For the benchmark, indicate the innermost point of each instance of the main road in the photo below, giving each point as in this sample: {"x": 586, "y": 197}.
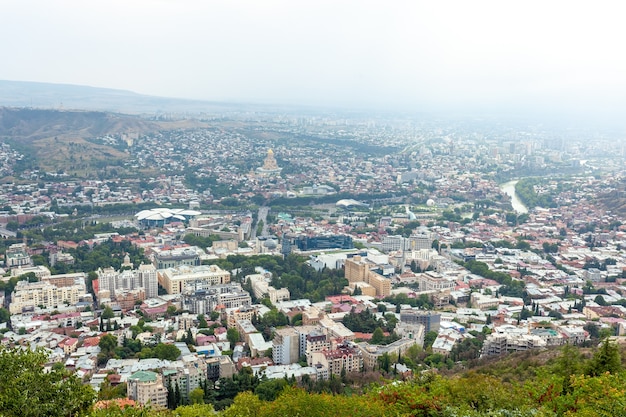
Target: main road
{"x": 261, "y": 216}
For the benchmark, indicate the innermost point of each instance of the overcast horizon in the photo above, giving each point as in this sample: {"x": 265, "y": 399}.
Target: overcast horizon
{"x": 561, "y": 57}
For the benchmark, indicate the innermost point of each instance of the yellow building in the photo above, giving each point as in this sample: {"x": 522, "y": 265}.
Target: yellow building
{"x": 366, "y": 289}
{"x": 357, "y": 270}
{"x": 147, "y": 388}
{"x": 381, "y": 284}
{"x": 175, "y": 280}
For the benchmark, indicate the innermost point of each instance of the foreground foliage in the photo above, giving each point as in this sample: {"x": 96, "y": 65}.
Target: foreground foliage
{"x": 568, "y": 385}
{"x": 431, "y": 395}
{"x": 26, "y": 389}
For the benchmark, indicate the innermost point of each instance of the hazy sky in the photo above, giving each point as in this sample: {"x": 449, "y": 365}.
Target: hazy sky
{"x": 545, "y": 54}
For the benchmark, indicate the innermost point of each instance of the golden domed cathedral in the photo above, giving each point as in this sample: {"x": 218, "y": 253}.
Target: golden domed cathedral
{"x": 270, "y": 167}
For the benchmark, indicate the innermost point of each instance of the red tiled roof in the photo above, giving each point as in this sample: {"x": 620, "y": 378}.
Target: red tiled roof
{"x": 119, "y": 402}
{"x": 91, "y": 341}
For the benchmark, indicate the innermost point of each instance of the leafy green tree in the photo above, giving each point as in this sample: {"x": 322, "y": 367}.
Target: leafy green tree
{"x": 5, "y": 316}
{"x": 113, "y": 410}
{"x": 12, "y": 225}
{"x": 232, "y": 335}
{"x": 377, "y": 336}
{"x": 606, "y": 359}
{"x": 363, "y": 321}
{"x": 166, "y": 351}
{"x": 109, "y": 392}
{"x": 270, "y": 389}
{"x": 592, "y": 328}
{"x": 171, "y": 310}
{"x": 196, "y": 396}
{"x": 202, "y": 322}
{"x": 245, "y": 404}
{"x": 467, "y": 349}
{"x": 384, "y": 362}
{"x": 429, "y": 338}
{"x": 194, "y": 410}
{"x": 107, "y": 313}
{"x": 27, "y": 390}
{"x": 600, "y": 300}
{"x": 107, "y": 343}
{"x": 568, "y": 364}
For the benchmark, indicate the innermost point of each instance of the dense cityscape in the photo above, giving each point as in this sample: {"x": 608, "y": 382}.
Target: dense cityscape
{"x": 312, "y": 209}
{"x": 325, "y": 251}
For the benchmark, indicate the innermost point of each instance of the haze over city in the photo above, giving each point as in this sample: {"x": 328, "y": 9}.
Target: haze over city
{"x": 552, "y": 58}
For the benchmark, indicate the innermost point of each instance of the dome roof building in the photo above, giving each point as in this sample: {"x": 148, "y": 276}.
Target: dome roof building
{"x": 158, "y": 217}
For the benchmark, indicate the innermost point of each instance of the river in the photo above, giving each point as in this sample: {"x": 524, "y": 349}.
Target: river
{"x": 509, "y": 189}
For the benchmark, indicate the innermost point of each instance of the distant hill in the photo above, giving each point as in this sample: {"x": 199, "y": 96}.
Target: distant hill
{"x": 65, "y": 96}
{"x": 614, "y": 200}
{"x": 64, "y": 140}
{"x": 31, "y": 125}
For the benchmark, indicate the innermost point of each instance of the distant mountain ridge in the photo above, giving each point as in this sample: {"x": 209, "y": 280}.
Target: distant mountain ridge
{"x": 67, "y": 96}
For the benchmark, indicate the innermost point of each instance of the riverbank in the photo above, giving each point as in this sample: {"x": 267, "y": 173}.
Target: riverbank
{"x": 508, "y": 188}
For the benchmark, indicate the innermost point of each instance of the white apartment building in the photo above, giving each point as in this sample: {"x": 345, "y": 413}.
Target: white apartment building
{"x": 115, "y": 281}
{"x": 204, "y": 301}
{"x": 17, "y": 256}
{"x": 433, "y": 281}
{"x": 28, "y": 295}
{"x": 40, "y": 271}
{"x": 286, "y": 346}
{"x": 189, "y": 377}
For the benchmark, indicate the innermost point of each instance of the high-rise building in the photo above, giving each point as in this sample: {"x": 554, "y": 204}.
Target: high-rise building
{"x": 145, "y": 277}
{"x": 359, "y": 270}
{"x": 392, "y": 243}
{"x": 381, "y": 284}
{"x": 189, "y": 377}
{"x": 419, "y": 241}
{"x": 29, "y": 295}
{"x": 172, "y": 258}
{"x": 285, "y": 346}
{"x": 316, "y": 341}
